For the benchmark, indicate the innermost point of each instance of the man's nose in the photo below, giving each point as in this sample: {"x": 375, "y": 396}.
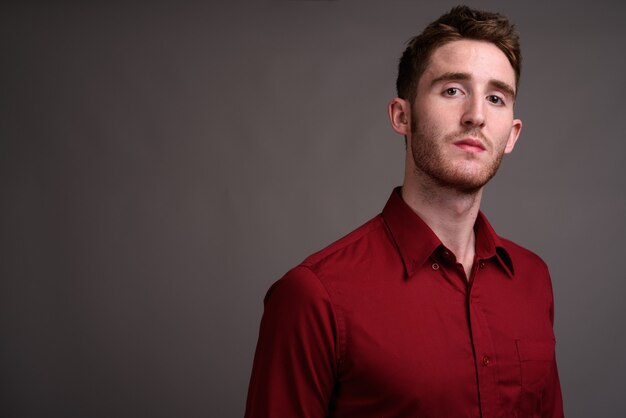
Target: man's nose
{"x": 473, "y": 114}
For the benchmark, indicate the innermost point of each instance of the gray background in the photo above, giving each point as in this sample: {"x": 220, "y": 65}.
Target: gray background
{"x": 161, "y": 164}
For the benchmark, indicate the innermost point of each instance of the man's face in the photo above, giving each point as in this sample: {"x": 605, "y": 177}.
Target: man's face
{"x": 462, "y": 118}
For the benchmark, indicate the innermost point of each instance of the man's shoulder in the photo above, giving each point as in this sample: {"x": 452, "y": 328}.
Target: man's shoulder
{"x": 351, "y": 248}
{"x": 345, "y": 261}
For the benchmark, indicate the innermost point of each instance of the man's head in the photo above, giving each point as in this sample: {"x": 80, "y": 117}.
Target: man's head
{"x": 459, "y": 23}
{"x": 457, "y": 86}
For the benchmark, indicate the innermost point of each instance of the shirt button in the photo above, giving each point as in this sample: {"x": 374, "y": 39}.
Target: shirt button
{"x": 486, "y": 360}
{"x": 435, "y": 266}
{"x": 481, "y": 264}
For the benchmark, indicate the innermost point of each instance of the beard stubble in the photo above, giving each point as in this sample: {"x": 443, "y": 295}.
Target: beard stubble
{"x": 429, "y": 159}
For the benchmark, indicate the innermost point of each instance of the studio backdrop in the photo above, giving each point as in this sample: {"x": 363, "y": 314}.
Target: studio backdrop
{"x": 163, "y": 163}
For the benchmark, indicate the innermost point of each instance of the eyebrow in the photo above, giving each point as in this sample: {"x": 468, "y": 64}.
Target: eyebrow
{"x": 500, "y": 85}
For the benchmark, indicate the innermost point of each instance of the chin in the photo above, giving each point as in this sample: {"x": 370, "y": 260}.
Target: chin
{"x": 464, "y": 182}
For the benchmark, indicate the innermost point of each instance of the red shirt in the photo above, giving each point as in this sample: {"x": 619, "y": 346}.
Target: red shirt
{"x": 384, "y": 323}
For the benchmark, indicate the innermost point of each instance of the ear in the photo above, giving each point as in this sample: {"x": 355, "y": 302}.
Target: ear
{"x": 400, "y": 116}
{"x": 516, "y": 129}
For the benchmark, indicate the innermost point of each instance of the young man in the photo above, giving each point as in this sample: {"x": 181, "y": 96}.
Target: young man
{"x": 423, "y": 311}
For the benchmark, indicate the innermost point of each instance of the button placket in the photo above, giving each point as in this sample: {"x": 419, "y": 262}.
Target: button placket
{"x": 484, "y": 358}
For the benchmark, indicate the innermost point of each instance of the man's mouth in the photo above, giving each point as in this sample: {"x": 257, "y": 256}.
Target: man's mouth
{"x": 470, "y": 145}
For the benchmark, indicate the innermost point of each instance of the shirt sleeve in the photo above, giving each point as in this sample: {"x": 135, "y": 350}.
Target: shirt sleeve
{"x": 294, "y": 366}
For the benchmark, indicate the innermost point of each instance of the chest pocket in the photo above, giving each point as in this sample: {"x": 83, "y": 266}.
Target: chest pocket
{"x": 536, "y": 361}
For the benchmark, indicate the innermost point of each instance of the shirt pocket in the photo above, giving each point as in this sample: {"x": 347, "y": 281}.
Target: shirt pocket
{"x": 536, "y": 361}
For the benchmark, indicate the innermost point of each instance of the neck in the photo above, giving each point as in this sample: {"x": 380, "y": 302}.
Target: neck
{"x": 451, "y": 215}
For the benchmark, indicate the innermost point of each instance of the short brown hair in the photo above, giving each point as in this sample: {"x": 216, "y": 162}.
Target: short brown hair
{"x": 459, "y": 23}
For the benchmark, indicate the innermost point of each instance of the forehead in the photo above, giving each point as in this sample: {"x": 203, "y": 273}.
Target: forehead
{"x": 482, "y": 60}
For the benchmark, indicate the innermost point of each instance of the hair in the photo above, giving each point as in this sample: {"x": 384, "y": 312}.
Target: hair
{"x": 460, "y": 22}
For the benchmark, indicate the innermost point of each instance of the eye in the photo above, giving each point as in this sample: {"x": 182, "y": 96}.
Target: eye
{"x": 495, "y": 99}
{"x": 451, "y": 91}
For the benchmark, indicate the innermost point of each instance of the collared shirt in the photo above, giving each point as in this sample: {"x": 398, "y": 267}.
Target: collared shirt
{"x": 384, "y": 323}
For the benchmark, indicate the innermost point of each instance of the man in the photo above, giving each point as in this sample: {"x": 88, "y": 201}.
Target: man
{"x": 423, "y": 311}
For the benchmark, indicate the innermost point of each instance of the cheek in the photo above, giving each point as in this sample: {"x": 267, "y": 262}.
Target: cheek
{"x": 437, "y": 120}
{"x": 500, "y": 128}
{"x": 505, "y": 132}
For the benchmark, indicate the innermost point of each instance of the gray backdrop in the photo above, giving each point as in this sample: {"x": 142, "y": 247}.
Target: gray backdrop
{"x": 161, "y": 164}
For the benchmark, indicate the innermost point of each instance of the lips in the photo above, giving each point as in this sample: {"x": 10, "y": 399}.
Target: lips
{"x": 470, "y": 144}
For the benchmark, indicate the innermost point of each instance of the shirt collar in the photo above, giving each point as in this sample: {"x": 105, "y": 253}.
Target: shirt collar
{"x": 489, "y": 244}
{"x": 416, "y": 242}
